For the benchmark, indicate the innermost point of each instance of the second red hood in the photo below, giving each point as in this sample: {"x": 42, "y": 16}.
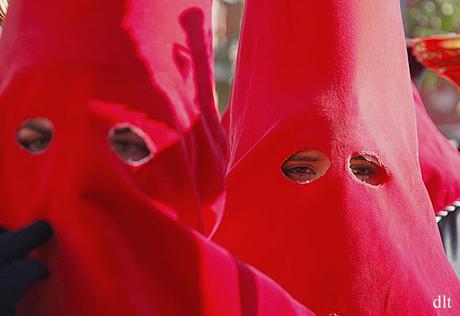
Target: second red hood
{"x": 332, "y": 76}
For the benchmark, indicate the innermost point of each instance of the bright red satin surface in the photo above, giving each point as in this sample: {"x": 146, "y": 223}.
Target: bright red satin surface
{"x": 332, "y": 76}
{"x": 128, "y": 240}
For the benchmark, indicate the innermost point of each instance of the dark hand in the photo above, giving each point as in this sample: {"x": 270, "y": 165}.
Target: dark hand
{"x": 18, "y": 273}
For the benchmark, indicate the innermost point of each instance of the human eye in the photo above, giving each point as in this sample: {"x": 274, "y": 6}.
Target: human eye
{"x": 37, "y": 144}
{"x": 35, "y": 135}
{"x": 305, "y": 166}
{"x": 368, "y": 169}
{"x": 130, "y": 145}
{"x": 131, "y": 151}
{"x": 300, "y": 174}
{"x": 363, "y": 171}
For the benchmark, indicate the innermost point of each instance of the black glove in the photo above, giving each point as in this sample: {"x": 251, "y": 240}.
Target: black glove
{"x": 18, "y": 273}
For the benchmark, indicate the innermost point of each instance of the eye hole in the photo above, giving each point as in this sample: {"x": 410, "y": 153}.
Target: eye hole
{"x": 131, "y": 144}
{"x": 35, "y": 135}
{"x": 306, "y": 166}
{"x": 368, "y": 169}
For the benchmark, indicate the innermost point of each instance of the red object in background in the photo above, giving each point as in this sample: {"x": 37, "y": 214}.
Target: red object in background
{"x": 124, "y": 240}
{"x": 440, "y": 53}
{"x": 439, "y": 160}
{"x": 332, "y": 76}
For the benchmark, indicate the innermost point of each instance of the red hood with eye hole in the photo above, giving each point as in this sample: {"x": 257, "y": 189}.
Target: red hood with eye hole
{"x": 128, "y": 240}
{"x": 439, "y": 160}
{"x": 332, "y": 76}
{"x": 123, "y": 66}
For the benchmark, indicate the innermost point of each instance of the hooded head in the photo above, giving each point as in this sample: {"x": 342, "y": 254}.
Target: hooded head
{"x": 141, "y": 67}
{"x": 107, "y": 117}
{"x": 325, "y": 192}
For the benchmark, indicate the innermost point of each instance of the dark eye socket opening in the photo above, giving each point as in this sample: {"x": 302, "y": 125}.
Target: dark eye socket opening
{"x": 131, "y": 144}
{"x": 305, "y": 166}
{"x": 368, "y": 169}
{"x": 35, "y": 135}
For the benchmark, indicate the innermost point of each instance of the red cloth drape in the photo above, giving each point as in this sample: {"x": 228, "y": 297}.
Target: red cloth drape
{"x": 439, "y": 160}
{"x": 332, "y": 76}
{"x": 130, "y": 240}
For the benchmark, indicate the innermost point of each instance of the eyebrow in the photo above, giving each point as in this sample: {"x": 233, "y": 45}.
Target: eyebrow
{"x": 360, "y": 158}
{"x": 304, "y": 158}
{"x": 37, "y": 128}
{"x": 123, "y": 131}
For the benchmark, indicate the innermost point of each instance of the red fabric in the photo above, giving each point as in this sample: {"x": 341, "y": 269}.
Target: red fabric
{"x": 124, "y": 241}
{"x": 439, "y": 160}
{"x": 131, "y": 61}
{"x": 332, "y": 76}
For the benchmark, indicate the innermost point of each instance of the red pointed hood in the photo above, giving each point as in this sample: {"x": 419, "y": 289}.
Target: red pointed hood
{"x": 143, "y": 63}
{"x": 332, "y": 76}
{"x": 88, "y": 66}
